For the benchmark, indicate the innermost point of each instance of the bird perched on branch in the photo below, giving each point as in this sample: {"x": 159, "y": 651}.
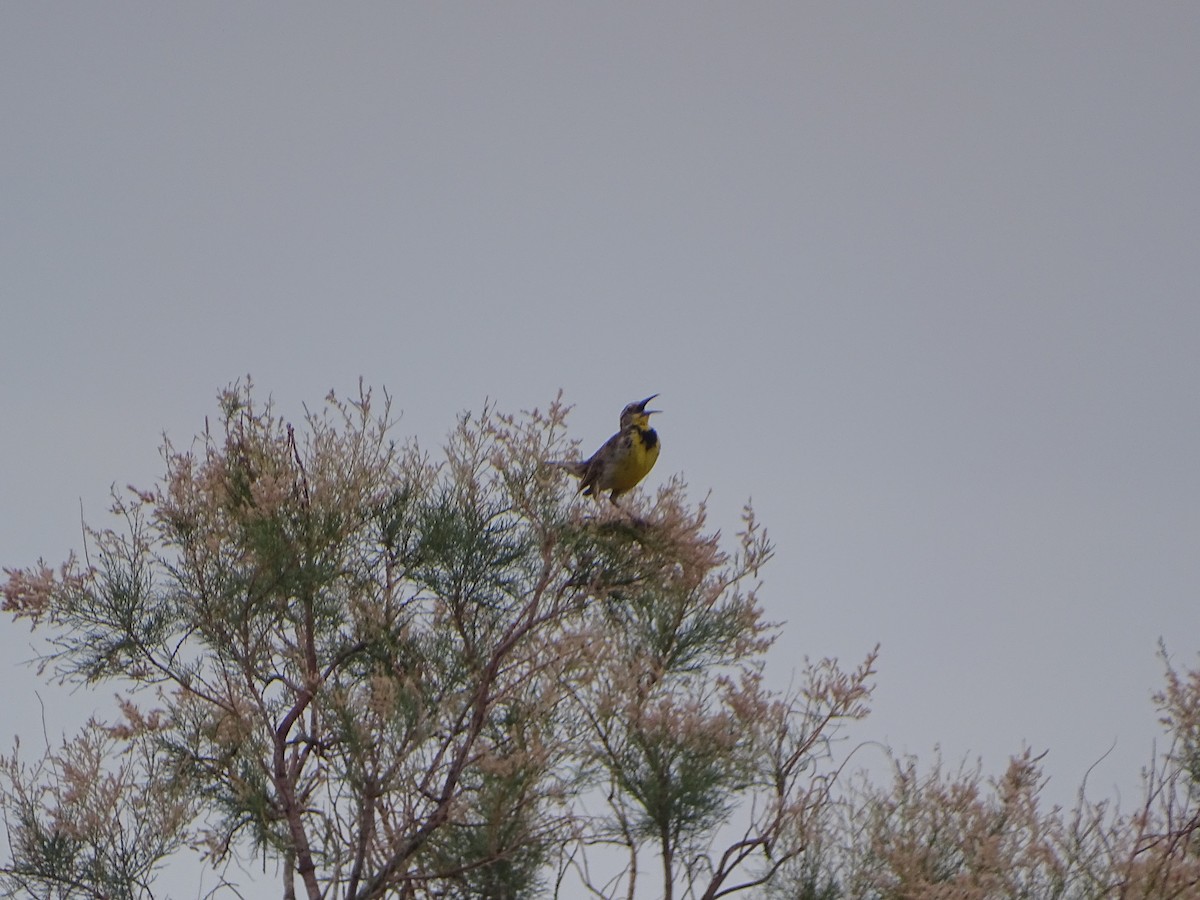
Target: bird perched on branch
{"x": 625, "y": 458}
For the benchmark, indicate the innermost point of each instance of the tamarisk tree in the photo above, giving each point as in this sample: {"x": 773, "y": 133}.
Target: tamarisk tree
{"x": 389, "y": 674}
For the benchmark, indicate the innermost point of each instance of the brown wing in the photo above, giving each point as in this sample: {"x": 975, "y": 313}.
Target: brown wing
{"x": 600, "y": 460}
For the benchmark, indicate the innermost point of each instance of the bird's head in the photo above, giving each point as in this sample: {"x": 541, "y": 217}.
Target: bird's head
{"x": 637, "y": 414}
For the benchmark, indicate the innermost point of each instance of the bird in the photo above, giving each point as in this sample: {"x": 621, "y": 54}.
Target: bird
{"x": 623, "y": 460}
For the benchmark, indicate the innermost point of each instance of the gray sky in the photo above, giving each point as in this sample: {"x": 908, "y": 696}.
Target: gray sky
{"x": 920, "y": 279}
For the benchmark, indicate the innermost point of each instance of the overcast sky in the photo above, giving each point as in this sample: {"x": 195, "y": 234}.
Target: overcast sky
{"x": 920, "y": 279}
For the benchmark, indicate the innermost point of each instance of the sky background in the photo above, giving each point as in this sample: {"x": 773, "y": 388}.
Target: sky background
{"x": 920, "y": 279}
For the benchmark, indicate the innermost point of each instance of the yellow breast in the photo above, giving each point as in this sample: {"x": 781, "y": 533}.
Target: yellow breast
{"x": 633, "y": 466}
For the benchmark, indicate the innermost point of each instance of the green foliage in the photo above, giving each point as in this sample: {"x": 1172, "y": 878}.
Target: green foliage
{"x": 390, "y": 676}
{"x": 93, "y": 818}
{"x": 401, "y": 677}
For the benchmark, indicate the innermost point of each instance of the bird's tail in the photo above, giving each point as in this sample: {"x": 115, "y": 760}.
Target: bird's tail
{"x": 577, "y": 468}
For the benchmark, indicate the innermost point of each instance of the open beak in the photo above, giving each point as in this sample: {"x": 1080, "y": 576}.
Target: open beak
{"x": 642, "y": 405}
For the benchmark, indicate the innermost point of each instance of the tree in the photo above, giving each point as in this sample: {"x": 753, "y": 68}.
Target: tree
{"x": 394, "y": 676}
{"x": 952, "y": 834}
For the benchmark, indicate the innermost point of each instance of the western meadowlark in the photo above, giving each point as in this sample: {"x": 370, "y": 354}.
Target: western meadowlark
{"x": 624, "y": 459}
